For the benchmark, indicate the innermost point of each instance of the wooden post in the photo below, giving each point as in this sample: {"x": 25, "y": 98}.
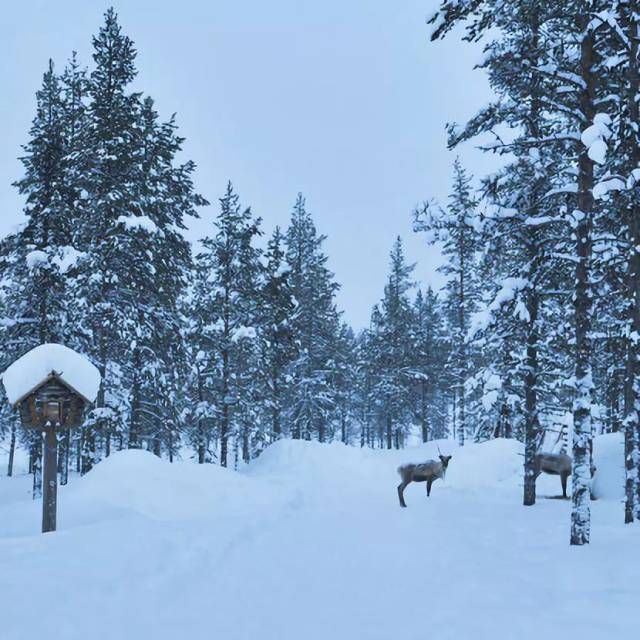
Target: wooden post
{"x": 50, "y": 479}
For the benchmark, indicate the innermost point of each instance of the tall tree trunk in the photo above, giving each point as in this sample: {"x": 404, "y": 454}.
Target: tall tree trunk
{"x": 531, "y": 420}
{"x": 12, "y": 448}
{"x": 134, "y": 421}
{"x": 63, "y": 457}
{"x": 202, "y": 443}
{"x": 88, "y": 451}
{"x": 224, "y": 427}
{"x": 629, "y": 20}
{"x": 424, "y": 418}
{"x": 462, "y": 355}
{"x": 276, "y": 412}
{"x": 246, "y": 454}
{"x": 582, "y": 436}
{"x": 36, "y": 464}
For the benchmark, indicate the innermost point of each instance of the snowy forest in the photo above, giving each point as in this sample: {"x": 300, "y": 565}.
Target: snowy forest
{"x": 223, "y": 348}
{"x": 238, "y": 468}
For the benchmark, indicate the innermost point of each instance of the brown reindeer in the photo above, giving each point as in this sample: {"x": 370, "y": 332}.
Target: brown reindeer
{"x": 556, "y": 464}
{"x": 425, "y": 472}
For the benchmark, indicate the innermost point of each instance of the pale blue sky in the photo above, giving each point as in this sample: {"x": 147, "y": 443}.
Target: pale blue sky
{"x": 345, "y": 100}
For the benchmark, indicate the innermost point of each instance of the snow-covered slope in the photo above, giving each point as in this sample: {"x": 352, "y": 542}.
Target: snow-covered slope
{"x": 309, "y": 541}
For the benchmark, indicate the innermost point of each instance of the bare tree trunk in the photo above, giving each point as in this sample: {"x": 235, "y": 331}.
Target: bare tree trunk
{"x": 462, "y": 361}
{"x": 63, "y": 457}
{"x": 12, "y": 448}
{"x": 134, "y": 421}
{"x": 224, "y": 428}
{"x": 629, "y": 20}
{"x": 36, "y": 464}
{"x": 532, "y": 424}
{"x": 246, "y": 457}
{"x": 582, "y": 436}
{"x": 276, "y": 417}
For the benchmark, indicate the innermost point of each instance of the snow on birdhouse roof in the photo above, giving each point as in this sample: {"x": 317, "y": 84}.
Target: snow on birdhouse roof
{"x": 34, "y": 368}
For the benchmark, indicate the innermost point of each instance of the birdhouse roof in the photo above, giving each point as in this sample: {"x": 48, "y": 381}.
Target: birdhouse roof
{"x": 36, "y": 367}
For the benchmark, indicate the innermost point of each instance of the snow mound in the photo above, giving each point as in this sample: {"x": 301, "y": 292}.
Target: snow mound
{"x": 36, "y": 365}
{"x": 352, "y": 469}
{"x": 138, "y": 481}
{"x": 608, "y": 456}
{"x": 488, "y": 464}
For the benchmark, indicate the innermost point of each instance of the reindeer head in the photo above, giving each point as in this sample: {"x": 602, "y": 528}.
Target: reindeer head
{"x": 445, "y": 460}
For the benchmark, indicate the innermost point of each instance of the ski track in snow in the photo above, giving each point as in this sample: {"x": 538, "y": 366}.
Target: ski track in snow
{"x": 309, "y": 541}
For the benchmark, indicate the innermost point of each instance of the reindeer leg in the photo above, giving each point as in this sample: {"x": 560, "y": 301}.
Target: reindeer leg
{"x": 401, "y": 488}
{"x": 563, "y": 479}
{"x": 429, "y": 483}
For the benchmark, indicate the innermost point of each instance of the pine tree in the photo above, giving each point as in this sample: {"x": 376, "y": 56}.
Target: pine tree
{"x": 429, "y": 349}
{"x": 277, "y": 346}
{"x": 39, "y": 258}
{"x": 111, "y": 195}
{"x": 344, "y": 382}
{"x": 231, "y": 267}
{"x": 457, "y": 229}
{"x": 314, "y": 327}
{"x": 519, "y": 231}
{"x": 391, "y": 325}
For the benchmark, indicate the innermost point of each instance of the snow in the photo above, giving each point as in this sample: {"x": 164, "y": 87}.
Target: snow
{"x": 491, "y": 391}
{"x": 509, "y": 288}
{"x": 37, "y": 259}
{"x": 34, "y": 366}
{"x": 608, "y": 185}
{"x": 145, "y": 223}
{"x": 309, "y": 541}
{"x": 595, "y": 136}
{"x": 241, "y": 333}
{"x": 68, "y": 258}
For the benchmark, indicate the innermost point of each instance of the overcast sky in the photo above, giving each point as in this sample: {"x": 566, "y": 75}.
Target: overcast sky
{"x": 344, "y": 100}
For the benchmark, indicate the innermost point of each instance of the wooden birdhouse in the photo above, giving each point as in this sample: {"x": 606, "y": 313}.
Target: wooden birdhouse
{"x": 51, "y": 385}
{"x": 53, "y": 401}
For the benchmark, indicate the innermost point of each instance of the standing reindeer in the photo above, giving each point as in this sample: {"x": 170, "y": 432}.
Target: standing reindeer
{"x": 426, "y": 472}
{"x": 556, "y": 464}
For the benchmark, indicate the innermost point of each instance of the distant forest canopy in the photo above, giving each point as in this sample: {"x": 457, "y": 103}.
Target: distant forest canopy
{"x": 221, "y": 350}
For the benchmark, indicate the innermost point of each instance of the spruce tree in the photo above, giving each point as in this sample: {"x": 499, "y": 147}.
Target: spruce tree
{"x": 457, "y": 227}
{"x": 231, "y": 266}
{"x": 314, "y": 326}
{"x": 391, "y": 325}
{"x": 277, "y": 345}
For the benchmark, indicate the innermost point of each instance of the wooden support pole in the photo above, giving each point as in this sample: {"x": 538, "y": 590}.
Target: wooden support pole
{"x": 50, "y": 479}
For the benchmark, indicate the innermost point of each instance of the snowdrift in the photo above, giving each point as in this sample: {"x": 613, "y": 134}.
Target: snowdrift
{"x": 288, "y": 473}
{"x": 608, "y": 456}
{"x": 292, "y": 471}
{"x": 144, "y": 547}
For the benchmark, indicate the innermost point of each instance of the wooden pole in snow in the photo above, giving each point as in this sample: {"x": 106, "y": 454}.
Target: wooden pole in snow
{"x": 50, "y": 479}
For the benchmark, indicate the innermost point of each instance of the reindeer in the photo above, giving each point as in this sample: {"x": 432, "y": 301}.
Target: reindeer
{"x": 425, "y": 472}
{"x": 556, "y": 464}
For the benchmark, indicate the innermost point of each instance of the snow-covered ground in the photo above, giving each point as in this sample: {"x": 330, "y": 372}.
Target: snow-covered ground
{"x": 309, "y": 542}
